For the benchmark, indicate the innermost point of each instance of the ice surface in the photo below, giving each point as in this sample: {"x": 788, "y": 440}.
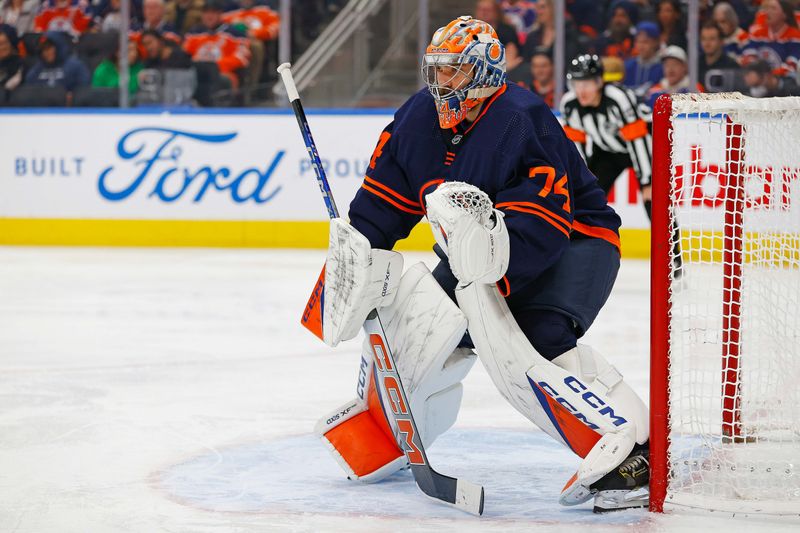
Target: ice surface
{"x": 174, "y": 390}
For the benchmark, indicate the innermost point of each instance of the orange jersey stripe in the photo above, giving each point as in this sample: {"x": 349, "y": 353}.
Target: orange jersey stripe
{"x": 538, "y": 208}
{"x": 598, "y": 232}
{"x": 425, "y": 185}
{"x": 552, "y": 222}
{"x": 397, "y": 195}
{"x": 388, "y": 199}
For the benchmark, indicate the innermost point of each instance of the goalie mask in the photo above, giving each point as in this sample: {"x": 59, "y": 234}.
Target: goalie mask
{"x": 464, "y": 64}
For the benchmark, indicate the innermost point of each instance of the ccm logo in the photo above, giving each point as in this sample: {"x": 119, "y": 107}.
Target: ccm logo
{"x": 396, "y": 399}
{"x": 315, "y": 297}
{"x": 588, "y": 397}
{"x": 362, "y": 377}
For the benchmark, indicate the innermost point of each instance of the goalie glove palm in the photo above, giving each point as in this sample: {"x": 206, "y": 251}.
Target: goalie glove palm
{"x": 470, "y": 231}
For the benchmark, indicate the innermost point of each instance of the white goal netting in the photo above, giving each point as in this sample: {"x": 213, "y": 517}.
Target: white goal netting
{"x": 734, "y": 293}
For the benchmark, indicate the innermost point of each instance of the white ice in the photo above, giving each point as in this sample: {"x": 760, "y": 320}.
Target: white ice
{"x": 174, "y": 390}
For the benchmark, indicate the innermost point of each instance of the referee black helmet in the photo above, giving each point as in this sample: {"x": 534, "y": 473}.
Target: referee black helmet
{"x": 585, "y": 67}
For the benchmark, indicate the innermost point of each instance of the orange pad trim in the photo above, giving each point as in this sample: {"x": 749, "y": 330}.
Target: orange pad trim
{"x": 363, "y": 445}
{"x": 578, "y": 436}
{"x": 312, "y": 314}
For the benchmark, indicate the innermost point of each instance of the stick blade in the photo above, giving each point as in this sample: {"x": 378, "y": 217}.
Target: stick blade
{"x": 459, "y": 493}
{"x": 469, "y": 497}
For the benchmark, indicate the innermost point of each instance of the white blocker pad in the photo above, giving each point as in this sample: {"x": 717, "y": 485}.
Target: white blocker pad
{"x": 358, "y": 279}
{"x": 578, "y": 398}
{"x": 423, "y": 327}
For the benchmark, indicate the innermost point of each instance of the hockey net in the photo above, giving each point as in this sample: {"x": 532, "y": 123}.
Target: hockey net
{"x": 725, "y": 361}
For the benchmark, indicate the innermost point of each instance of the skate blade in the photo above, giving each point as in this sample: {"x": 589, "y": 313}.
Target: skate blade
{"x": 609, "y": 501}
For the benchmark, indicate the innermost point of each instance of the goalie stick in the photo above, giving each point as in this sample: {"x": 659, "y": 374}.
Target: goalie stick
{"x": 462, "y": 494}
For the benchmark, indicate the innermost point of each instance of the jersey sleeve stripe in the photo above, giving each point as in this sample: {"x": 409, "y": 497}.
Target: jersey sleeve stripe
{"x": 634, "y": 130}
{"x": 598, "y": 232}
{"x": 388, "y": 199}
{"x": 537, "y": 207}
{"x": 397, "y": 195}
{"x": 504, "y": 287}
{"x": 541, "y": 215}
{"x": 574, "y": 134}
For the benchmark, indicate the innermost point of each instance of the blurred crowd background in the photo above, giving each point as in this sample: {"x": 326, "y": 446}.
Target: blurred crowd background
{"x": 224, "y": 52}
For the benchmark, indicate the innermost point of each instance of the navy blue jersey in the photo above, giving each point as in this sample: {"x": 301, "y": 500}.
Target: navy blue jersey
{"x": 515, "y": 151}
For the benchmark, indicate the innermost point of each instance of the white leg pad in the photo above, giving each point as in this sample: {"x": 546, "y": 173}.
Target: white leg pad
{"x": 596, "y": 391}
{"x": 504, "y": 351}
{"x": 579, "y": 399}
{"x": 423, "y": 327}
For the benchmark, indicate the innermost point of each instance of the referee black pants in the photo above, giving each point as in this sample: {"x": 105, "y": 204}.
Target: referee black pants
{"x": 607, "y": 166}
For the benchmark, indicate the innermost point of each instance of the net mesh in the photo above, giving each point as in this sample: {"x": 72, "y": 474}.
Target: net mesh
{"x": 734, "y": 361}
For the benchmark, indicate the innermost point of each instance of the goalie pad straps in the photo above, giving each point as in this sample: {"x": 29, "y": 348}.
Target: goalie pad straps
{"x": 472, "y": 234}
{"x": 357, "y": 279}
{"x": 423, "y": 327}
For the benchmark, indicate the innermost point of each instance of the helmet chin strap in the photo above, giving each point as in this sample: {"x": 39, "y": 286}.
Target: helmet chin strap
{"x": 482, "y": 92}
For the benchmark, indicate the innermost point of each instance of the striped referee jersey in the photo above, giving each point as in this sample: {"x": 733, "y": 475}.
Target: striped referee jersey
{"x": 618, "y": 125}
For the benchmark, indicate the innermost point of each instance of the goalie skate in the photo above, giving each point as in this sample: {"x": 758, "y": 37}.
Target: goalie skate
{"x": 625, "y": 487}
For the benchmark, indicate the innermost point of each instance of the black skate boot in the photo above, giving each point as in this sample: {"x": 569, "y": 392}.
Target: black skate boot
{"x": 627, "y": 486}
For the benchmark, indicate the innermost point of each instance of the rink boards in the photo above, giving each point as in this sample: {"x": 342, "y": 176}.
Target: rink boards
{"x": 237, "y": 178}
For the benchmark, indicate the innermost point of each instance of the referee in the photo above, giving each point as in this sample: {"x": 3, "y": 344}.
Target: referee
{"x": 611, "y": 132}
{"x": 607, "y": 125}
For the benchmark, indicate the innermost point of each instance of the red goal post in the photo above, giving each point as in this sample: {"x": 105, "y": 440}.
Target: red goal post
{"x": 725, "y": 287}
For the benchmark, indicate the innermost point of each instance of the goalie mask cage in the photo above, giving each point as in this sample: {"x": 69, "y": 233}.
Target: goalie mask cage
{"x": 725, "y": 291}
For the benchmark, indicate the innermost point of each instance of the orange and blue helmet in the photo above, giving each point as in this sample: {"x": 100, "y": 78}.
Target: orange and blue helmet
{"x": 464, "y": 64}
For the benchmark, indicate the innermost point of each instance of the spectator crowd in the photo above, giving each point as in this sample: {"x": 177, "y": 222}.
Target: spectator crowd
{"x": 213, "y": 52}
{"x": 210, "y": 52}
{"x": 752, "y": 46}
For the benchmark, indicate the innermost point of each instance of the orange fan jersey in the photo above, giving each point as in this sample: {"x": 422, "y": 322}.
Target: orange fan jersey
{"x": 261, "y": 22}
{"x": 228, "y": 52}
{"x": 70, "y": 19}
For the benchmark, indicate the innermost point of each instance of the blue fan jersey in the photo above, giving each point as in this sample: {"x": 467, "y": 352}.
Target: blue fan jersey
{"x": 515, "y": 151}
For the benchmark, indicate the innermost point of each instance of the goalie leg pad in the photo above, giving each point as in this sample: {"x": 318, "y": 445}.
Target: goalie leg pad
{"x": 578, "y": 398}
{"x": 591, "y": 388}
{"x": 504, "y": 351}
{"x": 360, "y": 441}
{"x": 423, "y": 327}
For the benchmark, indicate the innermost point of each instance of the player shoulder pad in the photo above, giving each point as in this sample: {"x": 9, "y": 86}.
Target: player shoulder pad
{"x": 417, "y": 102}
{"x": 415, "y": 113}
{"x": 519, "y": 98}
